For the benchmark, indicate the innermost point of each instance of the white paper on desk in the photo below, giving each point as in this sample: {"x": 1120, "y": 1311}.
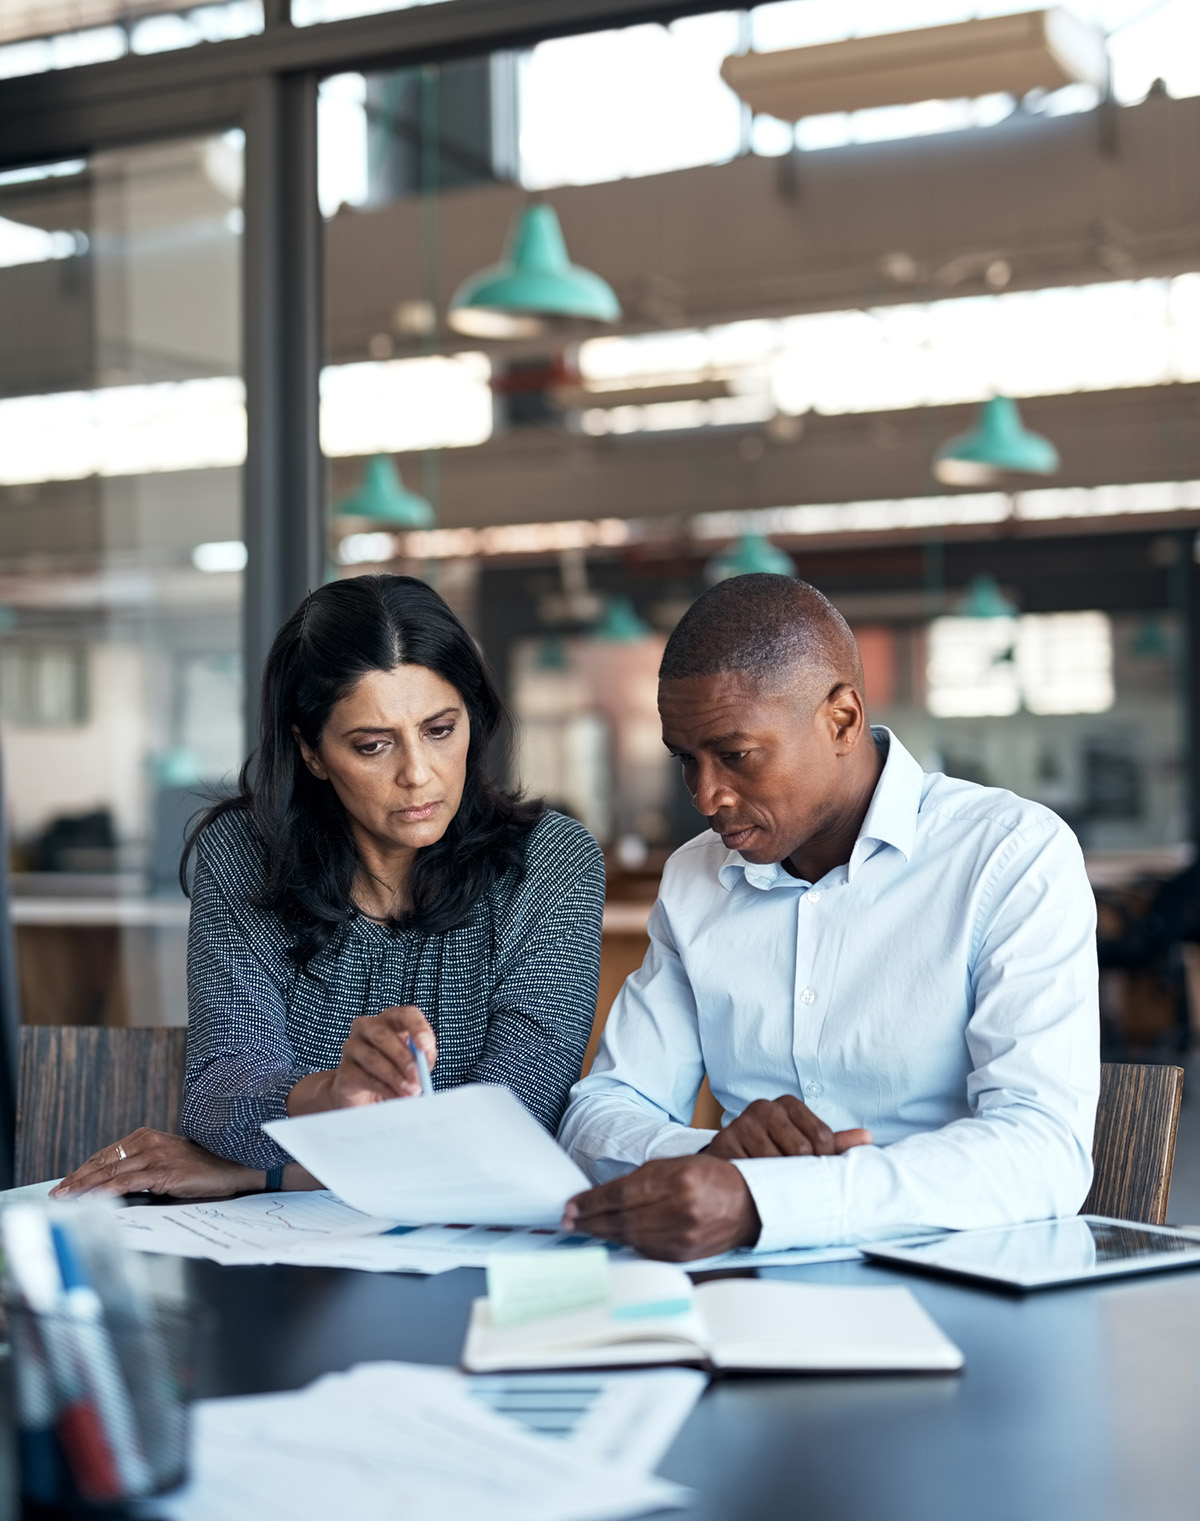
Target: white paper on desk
{"x": 261, "y": 1228}
{"x": 392, "y": 1439}
{"x": 369, "y": 1254}
{"x": 627, "y": 1419}
{"x": 471, "y": 1154}
{"x": 792, "y": 1256}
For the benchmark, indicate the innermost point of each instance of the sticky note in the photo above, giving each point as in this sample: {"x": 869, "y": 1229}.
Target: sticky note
{"x": 524, "y": 1286}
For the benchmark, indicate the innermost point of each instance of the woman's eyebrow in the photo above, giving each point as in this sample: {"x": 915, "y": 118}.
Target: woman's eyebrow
{"x": 387, "y": 728}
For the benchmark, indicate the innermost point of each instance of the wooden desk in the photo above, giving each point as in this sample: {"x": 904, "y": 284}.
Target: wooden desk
{"x": 1075, "y": 1405}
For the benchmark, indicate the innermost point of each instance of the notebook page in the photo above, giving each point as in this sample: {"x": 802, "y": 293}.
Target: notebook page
{"x": 820, "y": 1327}
{"x": 649, "y": 1317}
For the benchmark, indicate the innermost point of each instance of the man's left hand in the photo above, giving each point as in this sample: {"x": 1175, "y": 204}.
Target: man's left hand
{"x": 677, "y": 1209}
{"x": 782, "y": 1127}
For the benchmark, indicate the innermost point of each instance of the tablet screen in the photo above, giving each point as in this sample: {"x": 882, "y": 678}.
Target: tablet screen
{"x": 1048, "y": 1251}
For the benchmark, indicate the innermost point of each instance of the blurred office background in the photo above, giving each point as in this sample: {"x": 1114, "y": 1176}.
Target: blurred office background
{"x": 821, "y": 242}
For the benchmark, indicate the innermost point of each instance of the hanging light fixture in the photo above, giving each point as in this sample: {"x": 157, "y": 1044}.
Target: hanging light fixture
{"x": 998, "y": 445}
{"x": 533, "y": 288}
{"x": 620, "y": 623}
{"x": 384, "y": 498}
{"x": 750, "y": 555}
{"x": 984, "y": 599}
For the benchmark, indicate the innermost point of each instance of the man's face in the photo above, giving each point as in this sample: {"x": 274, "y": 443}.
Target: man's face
{"x": 761, "y": 766}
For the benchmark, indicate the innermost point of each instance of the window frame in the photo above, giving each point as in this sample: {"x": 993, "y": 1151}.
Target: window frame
{"x": 267, "y": 84}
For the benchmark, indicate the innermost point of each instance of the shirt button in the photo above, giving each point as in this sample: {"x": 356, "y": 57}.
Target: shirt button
{"x": 813, "y": 1090}
{"x": 808, "y": 996}
{"x": 812, "y": 897}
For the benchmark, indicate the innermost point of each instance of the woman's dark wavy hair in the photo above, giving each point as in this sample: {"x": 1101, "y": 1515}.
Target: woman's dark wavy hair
{"x": 339, "y": 633}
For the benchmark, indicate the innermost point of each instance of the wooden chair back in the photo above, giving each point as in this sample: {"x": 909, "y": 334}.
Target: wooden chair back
{"x": 1134, "y": 1147}
{"x": 81, "y": 1088}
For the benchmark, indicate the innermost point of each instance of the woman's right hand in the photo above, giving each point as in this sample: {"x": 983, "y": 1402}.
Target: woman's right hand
{"x": 377, "y": 1063}
{"x": 153, "y": 1162}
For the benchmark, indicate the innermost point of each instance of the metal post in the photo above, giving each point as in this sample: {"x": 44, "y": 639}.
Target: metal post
{"x": 284, "y": 481}
{"x": 10, "y": 1014}
{"x": 1188, "y": 677}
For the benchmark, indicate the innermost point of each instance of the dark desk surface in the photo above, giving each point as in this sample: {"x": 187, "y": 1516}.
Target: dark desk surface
{"x": 1074, "y": 1404}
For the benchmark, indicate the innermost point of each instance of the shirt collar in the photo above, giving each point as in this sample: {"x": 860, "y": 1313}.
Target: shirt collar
{"x": 892, "y": 815}
{"x": 891, "y": 820}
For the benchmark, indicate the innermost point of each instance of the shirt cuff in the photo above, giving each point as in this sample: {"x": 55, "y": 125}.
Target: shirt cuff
{"x": 678, "y": 1141}
{"x": 798, "y": 1201}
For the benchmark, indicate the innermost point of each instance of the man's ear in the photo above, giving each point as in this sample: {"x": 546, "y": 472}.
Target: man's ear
{"x": 847, "y": 716}
{"x": 310, "y": 757}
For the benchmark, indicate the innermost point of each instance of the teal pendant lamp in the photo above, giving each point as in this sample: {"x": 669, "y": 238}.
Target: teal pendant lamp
{"x": 534, "y": 288}
{"x": 620, "y": 623}
{"x": 984, "y": 599}
{"x": 752, "y": 554}
{"x": 998, "y": 445}
{"x": 384, "y": 498}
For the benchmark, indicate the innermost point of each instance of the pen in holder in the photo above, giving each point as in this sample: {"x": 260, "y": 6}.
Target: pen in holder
{"x": 103, "y": 1371}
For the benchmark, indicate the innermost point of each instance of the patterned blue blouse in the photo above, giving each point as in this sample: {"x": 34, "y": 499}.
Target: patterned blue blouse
{"x": 510, "y": 993}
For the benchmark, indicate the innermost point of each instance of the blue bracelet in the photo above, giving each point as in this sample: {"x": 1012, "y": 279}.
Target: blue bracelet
{"x": 274, "y": 1179}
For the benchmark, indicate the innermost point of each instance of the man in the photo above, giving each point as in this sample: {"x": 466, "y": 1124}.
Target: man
{"x": 889, "y": 977}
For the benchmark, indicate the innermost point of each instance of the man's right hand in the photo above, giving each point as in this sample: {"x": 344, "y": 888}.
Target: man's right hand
{"x": 782, "y": 1127}
{"x": 377, "y": 1063}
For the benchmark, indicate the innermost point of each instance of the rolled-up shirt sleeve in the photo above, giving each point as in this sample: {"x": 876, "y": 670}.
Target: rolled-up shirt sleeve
{"x": 240, "y": 1064}
{"x": 636, "y": 1103}
{"x": 1024, "y": 1151}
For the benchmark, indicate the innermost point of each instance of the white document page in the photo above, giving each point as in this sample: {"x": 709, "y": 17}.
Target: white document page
{"x": 628, "y": 1419}
{"x": 432, "y": 1248}
{"x": 792, "y": 1256}
{"x": 391, "y": 1439}
{"x": 472, "y": 1154}
{"x": 260, "y": 1228}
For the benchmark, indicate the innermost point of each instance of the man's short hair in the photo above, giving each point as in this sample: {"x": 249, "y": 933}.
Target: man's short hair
{"x": 763, "y": 625}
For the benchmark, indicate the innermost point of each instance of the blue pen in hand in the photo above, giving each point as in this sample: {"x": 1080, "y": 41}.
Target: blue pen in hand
{"x": 422, "y": 1062}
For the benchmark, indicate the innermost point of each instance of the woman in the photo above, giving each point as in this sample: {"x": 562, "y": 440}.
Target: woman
{"x": 370, "y": 887}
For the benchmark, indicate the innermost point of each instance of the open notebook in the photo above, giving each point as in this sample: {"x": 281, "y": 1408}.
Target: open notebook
{"x": 654, "y": 1315}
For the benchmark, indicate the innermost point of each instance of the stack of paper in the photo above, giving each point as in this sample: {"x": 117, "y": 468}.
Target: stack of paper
{"x": 318, "y": 1230}
{"x": 261, "y": 1228}
{"x": 392, "y": 1438}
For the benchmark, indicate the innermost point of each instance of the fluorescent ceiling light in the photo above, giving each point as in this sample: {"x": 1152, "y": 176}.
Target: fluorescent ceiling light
{"x": 221, "y": 555}
{"x": 948, "y": 511}
{"x": 464, "y": 543}
{"x": 398, "y": 405}
{"x": 1022, "y": 343}
{"x": 123, "y": 430}
{"x": 1043, "y": 49}
{"x": 366, "y": 409}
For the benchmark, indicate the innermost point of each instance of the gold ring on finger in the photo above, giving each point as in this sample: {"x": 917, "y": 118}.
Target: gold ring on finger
{"x": 121, "y": 1152}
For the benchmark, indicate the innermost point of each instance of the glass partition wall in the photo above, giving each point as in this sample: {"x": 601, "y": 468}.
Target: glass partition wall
{"x": 122, "y": 436}
{"x": 779, "y": 368}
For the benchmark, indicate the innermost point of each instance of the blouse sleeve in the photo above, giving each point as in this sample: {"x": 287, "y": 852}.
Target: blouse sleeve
{"x": 240, "y": 1063}
{"x": 544, "y": 999}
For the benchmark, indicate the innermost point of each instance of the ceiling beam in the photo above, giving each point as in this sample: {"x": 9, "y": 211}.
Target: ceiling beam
{"x": 1104, "y": 437}
{"x": 871, "y": 224}
{"x": 66, "y": 112}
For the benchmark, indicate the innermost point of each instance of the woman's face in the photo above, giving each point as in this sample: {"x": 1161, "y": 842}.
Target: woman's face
{"x": 395, "y": 752}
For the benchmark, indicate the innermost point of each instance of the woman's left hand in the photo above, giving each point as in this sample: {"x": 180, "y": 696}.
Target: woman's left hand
{"x": 150, "y": 1161}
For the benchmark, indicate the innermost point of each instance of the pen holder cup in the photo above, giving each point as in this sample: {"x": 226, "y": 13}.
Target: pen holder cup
{"x": 103, "y": 1407}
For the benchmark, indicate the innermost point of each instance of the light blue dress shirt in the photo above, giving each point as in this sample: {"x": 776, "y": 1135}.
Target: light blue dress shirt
{"x": 939, "y": 989}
